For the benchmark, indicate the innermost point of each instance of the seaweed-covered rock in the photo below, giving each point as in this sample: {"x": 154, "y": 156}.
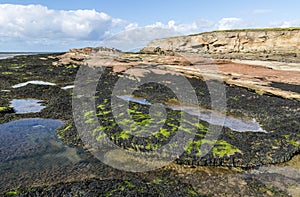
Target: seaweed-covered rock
{"x": 95, "y": 187}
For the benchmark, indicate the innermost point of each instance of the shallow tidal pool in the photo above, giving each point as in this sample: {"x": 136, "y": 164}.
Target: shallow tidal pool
{"x": 29, "y": 150}
{"x": 24, "y": 106}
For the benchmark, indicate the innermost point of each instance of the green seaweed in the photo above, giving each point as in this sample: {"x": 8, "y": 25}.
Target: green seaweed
{"x": 90, "y": 121}
{"x": 2, "y": 109}
{"x": 164, "y": 132}
{"x": 101, "y": 107}
{"x": 5, "y": 109}
{"x": 129, "y": 184}
{"x": 111, "y": 193}
{"x": 144, "y": 122}
{"x": 223, "y": 148}
{"x": 189, "y": 147}
{"x": 191, "y": 192}
{"x": 72, "y": 66}
{"x": 7, "y": 73}
{"x": 67, "y": 128}
{"x": 12, "y": 192}
{"x": 124, "y": 122}
{"x": 293, "y": 142}
{"x": 234, "y": 98}
{"x": 101, "y": 136}
{"x": 89, "y": 113}
{"x": 124, "y": 135}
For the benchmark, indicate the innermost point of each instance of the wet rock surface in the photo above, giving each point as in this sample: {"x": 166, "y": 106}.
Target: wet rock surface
{"x": 279, "y": 116}
{"x": 246, "y": 149}
{"x": 94, "y": 187}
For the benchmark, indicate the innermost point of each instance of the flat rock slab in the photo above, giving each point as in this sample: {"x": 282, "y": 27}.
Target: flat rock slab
{"x": 255, "y": 75}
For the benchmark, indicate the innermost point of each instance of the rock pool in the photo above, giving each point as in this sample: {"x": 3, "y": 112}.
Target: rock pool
{"x": 240, "y": 124}
{"x": 30, "y": 148}
{"x": 24, "y": 106}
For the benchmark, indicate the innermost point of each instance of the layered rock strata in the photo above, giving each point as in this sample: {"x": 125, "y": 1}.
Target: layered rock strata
{"x": 256, "y": 44}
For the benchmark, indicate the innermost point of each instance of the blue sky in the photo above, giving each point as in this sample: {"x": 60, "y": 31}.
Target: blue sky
{"x": 57, "y": 25}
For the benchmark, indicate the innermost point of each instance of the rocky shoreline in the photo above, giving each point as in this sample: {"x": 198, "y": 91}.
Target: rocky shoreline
{"x": 58, "y": 104}
{"x": 240, "y": 162}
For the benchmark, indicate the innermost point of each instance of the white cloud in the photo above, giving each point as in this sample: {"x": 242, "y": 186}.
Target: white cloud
{"x": 283, "y": 24}
{"x": 36, "y": 23}
{"x": 230, "y": 23}
{"x": 135, "y": 37}
{"x": 131, "y": 26}
{"x": 184, "y": 28}
{"x": 38, "y": 28}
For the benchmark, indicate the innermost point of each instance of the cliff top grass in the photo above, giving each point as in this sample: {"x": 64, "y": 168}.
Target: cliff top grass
{"x": 254, "y": 29}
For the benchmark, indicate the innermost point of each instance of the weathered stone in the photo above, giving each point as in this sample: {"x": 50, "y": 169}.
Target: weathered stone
{"x": 256, "y": 44}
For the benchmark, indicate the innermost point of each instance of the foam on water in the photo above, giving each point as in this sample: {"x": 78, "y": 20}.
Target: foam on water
{"x": 33, "y": 82}
{"x": 68, "y": 87}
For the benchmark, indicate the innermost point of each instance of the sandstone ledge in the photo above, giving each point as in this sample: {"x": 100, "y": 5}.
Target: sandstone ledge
{"x": 253, "y": 44}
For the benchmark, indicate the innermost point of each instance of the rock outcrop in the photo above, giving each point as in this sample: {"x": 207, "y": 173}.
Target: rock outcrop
{"x": 254, "y": 44}
{"x": 77, "y": 56}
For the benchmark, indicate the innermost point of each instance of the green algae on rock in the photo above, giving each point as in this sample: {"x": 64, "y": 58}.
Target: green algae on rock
{"x": 232, "y": 149}
{"x": 107, "y": 188}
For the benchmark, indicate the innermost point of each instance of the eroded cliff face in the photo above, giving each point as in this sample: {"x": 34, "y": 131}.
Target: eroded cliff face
{"x": 261, "y": 44}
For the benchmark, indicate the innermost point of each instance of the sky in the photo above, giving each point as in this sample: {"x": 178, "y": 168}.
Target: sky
{"x": 58, "y": 25}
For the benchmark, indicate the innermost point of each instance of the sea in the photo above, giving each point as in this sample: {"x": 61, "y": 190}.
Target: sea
{"x": 5, "y": 55}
